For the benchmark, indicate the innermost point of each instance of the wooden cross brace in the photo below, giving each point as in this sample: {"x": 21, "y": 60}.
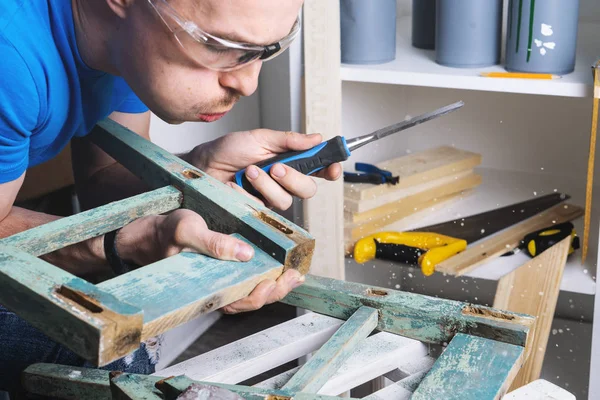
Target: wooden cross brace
{"x": 484, "y": 350}
{"x": 107, "y": 321}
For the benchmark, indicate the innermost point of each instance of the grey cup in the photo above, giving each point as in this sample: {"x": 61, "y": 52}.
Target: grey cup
{"x": 423, "y": 24}
{"x": 468, "y": 33}
{"x": 542, "y": 36}
{"x": 368, "y": 31}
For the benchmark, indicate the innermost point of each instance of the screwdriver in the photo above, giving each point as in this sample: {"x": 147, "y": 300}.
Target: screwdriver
{"x": 337, "y": 149}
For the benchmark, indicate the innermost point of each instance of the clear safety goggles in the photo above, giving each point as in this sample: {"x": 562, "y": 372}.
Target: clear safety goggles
{"x": 213, "y": 52}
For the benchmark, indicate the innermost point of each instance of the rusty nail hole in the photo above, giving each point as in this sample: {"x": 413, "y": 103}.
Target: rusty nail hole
{"x": 188, "y": 173}
{"x": 274, "y": 223}
{"x": 376, "y": 292}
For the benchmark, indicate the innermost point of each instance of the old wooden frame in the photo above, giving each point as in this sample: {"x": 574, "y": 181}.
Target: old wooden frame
{"x": 109, "y": 320}
{"x": 485, "y": 349}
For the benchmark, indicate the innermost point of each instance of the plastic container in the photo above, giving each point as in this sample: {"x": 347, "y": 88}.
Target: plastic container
{"x": 542, "y": 36}
{"x": 468, "y": 33}
{"x": 423, "y": 24}
{"x": 368, "y": 31}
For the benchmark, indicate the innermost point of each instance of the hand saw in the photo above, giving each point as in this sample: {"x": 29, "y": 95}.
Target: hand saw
{"x": 428, "y": 246}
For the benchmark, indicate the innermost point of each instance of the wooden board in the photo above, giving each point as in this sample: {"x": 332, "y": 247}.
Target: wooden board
{"x": 416, "y": 169}
{"x": 409, "y": 203}
{"x": 508, "y": 239}
{"x": 328, "y": 359}
{"x": 359, "y": 210}
{"x": 424, "y": 318}
{"x": 471, "y": 368}
{"x": 533, "y": 289}
{"x": 323, "y": 214}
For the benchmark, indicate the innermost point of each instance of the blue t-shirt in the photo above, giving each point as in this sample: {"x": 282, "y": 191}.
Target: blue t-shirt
{"x": 47, "y": 93}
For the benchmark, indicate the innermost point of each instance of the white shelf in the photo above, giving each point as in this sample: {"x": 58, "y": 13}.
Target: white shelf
{"x": 502, "y": 188}
{"x": 416, "y": 67}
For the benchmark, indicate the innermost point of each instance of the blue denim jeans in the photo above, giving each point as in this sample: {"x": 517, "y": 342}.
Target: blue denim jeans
{"x": 22, "y": 345}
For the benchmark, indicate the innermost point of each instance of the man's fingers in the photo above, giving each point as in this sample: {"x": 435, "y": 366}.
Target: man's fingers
{"x": 294, "y": 182}
{"x": 270, "y": 190}
{"x": 254, "y": 300}
{"x": 331, "y": 173}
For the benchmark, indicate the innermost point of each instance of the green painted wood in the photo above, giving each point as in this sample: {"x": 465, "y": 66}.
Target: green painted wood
{"x": 66, "y": 383}
{"x": 329, "y": 358}
{"x": 134, "y": 387}
{"x": 172, "y": 387}
{"x": 67, "y": 231}
{"x": 224, "y": 209}
{"x": 182, "y": 287}
{"x": 73, "y": 312}
{"x": 471, "y": 368}
{"x": 427, "y": 319}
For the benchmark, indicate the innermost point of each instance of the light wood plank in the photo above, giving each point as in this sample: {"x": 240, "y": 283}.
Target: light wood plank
{"x": 182, "y": 287}
{"x": 415, "y": 169}
{"x": 540, "y": 390}
{"x": 223, "y": 208}
{"x": 325, "y": 362}
{"x": 424, "y": 318}
{"x": 94, "y": 324}
{"x": 533, "y": 289}
{"x": 471, "y": 368}
{"x": 379, "y": 354}
{"x": 323, "y": 214}
{"x": 362, "y": 210}
{"x": 508, "y": 239}
{"x": 77, "y": 228}
{"x": 263, "y": 351}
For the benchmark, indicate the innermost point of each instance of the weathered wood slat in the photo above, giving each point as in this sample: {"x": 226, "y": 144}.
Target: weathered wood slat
{"x": 377, "y": 355}
{"x": 172, "y": 387}
{"x": 67, "y": 231}
{"x": 471, "y": 368}
{"x": 325, "y": 362}
{"x": 423, "y": 318}
{"x": 134, "y": 387}
{"x": 224, "y": 209}
{"x": 96, "y": 325}
{"x": 66, "y": 383}
{"x": 533, "y": 288}
{"x": 175, "y": 290}
{"x": 258, "y": 353}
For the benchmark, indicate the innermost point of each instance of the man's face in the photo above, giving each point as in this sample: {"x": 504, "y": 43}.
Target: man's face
{"x": 174, "y": 86}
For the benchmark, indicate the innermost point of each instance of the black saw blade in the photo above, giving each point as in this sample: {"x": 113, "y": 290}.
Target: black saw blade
{"x": 479, "y": 226}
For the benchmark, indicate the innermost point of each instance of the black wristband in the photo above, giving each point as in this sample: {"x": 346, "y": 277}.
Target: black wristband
{"x": 118, "y": 265}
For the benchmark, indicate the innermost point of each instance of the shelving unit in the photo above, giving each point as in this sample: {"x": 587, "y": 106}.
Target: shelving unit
{"x": 533, "y": 135}
{"x": 417, "y": 67}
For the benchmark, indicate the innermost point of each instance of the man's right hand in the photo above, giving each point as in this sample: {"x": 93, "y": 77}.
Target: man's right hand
{"x": 153, "y": 238}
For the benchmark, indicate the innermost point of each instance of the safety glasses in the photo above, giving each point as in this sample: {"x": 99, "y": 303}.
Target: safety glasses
{"x": 213, "y": 52}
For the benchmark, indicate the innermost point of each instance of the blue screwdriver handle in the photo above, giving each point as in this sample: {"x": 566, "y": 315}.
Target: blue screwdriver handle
{"x": 307, "y": 161}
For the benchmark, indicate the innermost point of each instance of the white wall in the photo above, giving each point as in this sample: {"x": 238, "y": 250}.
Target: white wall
{"x": 182, "y": 138}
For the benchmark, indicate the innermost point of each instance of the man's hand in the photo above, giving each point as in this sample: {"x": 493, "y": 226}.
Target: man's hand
{"x": 225, "y": 156}
{"x": 154, "y": 238}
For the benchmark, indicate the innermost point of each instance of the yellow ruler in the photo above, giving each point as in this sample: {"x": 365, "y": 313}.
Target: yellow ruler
{"x": 590, "y": 174}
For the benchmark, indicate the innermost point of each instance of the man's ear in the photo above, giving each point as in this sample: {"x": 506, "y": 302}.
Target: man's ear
{"x": 120, "y": 7}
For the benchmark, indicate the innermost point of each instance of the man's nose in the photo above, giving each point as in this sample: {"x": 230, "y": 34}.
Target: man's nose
{"x": 244, "y": 80}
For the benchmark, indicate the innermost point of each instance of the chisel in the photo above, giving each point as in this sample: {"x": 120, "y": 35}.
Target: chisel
{"x": 337, "y": 149}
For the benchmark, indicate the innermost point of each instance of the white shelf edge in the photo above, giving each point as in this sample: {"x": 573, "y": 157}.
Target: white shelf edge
{"x": 416, "y": 67}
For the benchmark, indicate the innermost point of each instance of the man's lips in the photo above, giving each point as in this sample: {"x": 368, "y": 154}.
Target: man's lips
{"x": 211, "y": 117}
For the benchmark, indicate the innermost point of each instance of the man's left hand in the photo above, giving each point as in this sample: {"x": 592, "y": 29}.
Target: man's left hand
{"x": 225, "y": 156}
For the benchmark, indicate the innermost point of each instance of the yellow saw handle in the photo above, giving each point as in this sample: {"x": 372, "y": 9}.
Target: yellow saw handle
{"x": 425, "y": 249}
